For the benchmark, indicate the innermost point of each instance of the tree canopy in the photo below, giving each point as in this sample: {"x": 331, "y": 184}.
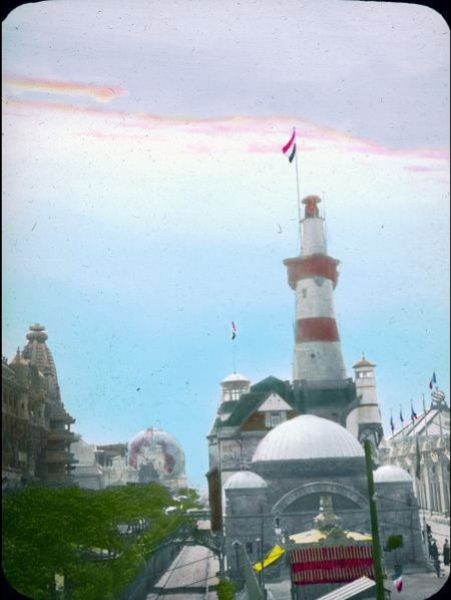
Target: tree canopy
{"x": 48, "y": 531}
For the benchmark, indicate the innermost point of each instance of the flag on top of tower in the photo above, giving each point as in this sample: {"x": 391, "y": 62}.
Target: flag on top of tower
{"x": 401, "y": 418}
{"x": 392, "y": 425}
{"x": 234, "y": 330}
{"x": 433, "y": 381}
{"x": 291, "y": 145}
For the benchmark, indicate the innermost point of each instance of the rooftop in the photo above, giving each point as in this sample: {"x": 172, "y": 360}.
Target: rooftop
{"x": 307, "y": 437}
{"x": 391, "y": 474}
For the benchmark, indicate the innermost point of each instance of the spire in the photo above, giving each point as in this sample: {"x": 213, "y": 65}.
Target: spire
{"x": 39, "y": 356}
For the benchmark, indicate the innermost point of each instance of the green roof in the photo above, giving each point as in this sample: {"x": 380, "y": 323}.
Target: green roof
{"x": 248, "y": 402}
{"x": 227, "y": 407}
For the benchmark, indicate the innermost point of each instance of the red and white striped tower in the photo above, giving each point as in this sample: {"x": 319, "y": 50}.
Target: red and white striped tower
{"x": 313, "y": 276}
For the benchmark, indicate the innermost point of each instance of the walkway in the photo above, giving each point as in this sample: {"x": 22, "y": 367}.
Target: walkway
{"x": 193, "y": 569}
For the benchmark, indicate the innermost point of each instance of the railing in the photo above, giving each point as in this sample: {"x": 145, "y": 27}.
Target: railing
{"x": 158, "y": 561}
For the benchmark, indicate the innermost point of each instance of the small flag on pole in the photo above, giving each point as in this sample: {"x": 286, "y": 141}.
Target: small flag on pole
{"x": 433, "y": 381}
{"x": 392, "y": 425}
{"x": 290, "y": 146}
{"x": 413, "y": 414}
{"x": 234, "y": 331}
{"x": 401, "y": 418}
{"x": 398, "y": 583}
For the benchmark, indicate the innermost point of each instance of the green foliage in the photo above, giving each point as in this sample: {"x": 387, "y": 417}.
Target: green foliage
{"x": 225, "y": 590}
{"x": 48, "y": 531}
{"x": 394, "y": 541}
{"x": 193, "y": 496}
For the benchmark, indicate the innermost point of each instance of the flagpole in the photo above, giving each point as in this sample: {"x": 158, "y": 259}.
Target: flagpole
{"x": 425, "y": 419}
{"x": 297, "y": 185}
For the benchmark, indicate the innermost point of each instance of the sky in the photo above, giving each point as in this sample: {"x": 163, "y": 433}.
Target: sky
{"x": 147, "y": 203}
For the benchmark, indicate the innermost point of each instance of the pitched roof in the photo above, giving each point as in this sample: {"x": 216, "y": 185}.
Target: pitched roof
{"x": 249, "y": 402}
{"x": 363, "y": 362}
{"x": 432, "y": 422}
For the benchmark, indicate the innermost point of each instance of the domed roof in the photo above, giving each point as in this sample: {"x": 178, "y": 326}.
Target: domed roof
{"x": 306, "y": 437}
{"x": 234, "y": 377}
{"x": 245, "y": 480}
{"x": 151, "y": 443}
{"x": 363, "y": 362}
{"x": 391, "y": 474}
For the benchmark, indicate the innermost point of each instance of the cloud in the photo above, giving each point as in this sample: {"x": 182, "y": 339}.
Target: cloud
{"x": 423, "y": 168}
{"x": 100, "y": 93}
{"x": 235, "y": 135}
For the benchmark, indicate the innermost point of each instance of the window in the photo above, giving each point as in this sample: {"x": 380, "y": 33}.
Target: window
{"x": 249, "y": 547}
{"x": 304, "y": 292}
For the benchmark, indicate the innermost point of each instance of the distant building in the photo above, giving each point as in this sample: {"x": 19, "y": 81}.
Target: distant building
{"x": 152, "y": 455}
{"x": 35, "y": 425}
{"x": 421, "y": 447}
{"x": 245, "y": 415}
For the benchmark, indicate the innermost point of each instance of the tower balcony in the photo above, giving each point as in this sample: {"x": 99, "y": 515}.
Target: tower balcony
{"x": 58, "y": 456}
{"x": 62, "y": 435}
{"x": 315, "y": 265}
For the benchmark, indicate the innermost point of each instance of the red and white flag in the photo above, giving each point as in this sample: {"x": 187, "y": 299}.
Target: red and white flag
{"x": 290, "y": 146}
{"x": 398, "y": 583}
{"x": 234, "y": 330}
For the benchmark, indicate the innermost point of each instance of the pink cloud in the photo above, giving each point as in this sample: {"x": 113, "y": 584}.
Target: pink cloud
{"x": 101, "y": 93}
{"x": 422, "y": 168}
{"x": 260, "y": 135}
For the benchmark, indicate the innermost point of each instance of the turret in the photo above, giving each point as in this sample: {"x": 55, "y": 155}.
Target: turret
{"x": 364, "y": 419}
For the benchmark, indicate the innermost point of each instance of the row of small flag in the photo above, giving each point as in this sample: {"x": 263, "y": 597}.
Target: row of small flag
{"x": 413, "y": 414}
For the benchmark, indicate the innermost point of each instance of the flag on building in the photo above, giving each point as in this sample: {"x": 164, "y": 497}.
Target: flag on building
{"x": 401, "y": 418}
{"x": 413, "y": 414}
{"x": 433, "y": 381}
{"x": 290, "y": 146}
{"x": 234, "y": 330}
{"x": 392, "y": 425}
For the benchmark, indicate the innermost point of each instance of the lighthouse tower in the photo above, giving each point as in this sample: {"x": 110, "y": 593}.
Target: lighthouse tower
{"x": 318, "y": 368}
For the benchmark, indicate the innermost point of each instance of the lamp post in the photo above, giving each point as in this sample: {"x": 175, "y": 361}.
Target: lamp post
{"x": 237, "y": 576}
{"x": 378, "y": 572}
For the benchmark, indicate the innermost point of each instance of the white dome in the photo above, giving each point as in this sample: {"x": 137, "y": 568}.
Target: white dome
{"x": 235, "y": 377}
{"x": 245, "y": 480}
{"x": 391, "y": 474}
{"x": 305, "y": 437}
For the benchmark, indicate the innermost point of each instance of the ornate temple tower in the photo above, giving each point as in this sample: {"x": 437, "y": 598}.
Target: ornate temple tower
{"x": 318, "y": 368}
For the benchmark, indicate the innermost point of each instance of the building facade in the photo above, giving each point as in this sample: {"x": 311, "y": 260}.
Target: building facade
{"x": 152, "y": 455}
{"x": 277, "y": 447}
{"x": 421, "y": 447}
{"x": 36, "y": 433}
